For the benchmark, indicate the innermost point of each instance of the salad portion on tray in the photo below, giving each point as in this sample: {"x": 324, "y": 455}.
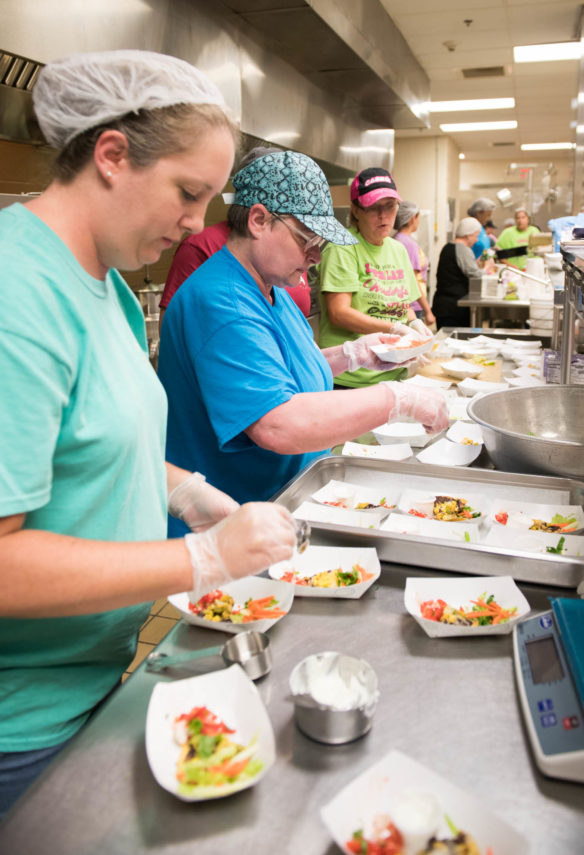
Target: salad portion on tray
{"x": 208, "y": 736}
{"x": 401, "y": 807}
{"x": 530, "y": 516}
{"x": 472, "y": 605}
{"x": 249, "y": 603}
{"x": 340, "y": 494}
{"x": 330, "y": 571}
{"x": 448, "y": 508}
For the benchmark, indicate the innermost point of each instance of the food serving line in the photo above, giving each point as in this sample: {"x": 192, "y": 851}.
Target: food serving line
{"x": 451, "y": 704}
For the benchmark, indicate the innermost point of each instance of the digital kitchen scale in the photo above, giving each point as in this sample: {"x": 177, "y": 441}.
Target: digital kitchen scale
{"x": 549, "y": 666}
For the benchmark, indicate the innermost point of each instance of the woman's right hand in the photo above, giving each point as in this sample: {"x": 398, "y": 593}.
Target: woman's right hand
{"x": 427, "y": 406}
{"x": 245, "y": 542}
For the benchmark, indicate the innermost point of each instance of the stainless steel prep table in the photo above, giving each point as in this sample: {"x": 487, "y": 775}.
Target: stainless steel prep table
{"x": 451, "y": 704}
{"x": 515, "y": 309}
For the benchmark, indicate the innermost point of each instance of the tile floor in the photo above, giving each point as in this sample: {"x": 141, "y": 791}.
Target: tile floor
{"x": 160, "y": 621}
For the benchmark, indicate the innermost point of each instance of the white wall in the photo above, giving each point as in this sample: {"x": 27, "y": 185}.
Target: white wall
{"x": 426, "y": 171}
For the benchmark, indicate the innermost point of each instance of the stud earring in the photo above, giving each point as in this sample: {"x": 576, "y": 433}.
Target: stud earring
{"x": 108, "y": 174}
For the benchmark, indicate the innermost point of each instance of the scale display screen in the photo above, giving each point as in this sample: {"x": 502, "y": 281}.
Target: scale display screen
{"x": 544, "y": 661}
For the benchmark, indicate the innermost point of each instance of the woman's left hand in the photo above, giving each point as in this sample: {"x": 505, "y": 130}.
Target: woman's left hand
{"x": 360, "y": 355}
{"x": 429, "y": 317}
{"x": 421, "y": 329}
{"x": 198, "y": 504}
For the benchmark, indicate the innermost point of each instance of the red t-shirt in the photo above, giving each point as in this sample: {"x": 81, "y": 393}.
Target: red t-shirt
{"x": 195, "y": 249}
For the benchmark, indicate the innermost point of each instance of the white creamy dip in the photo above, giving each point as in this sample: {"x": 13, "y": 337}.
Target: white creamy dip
{"x": 336, "y": 681}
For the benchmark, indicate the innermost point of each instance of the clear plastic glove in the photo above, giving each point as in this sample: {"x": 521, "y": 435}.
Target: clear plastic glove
{"x": 427, "y": 406}
{"x": 198, "y": 504}
{"x": 400, "y": 329}
{"x": 420, "y": 328}
{"x": 247, "y": 541}
{"x": 360, "y": 355}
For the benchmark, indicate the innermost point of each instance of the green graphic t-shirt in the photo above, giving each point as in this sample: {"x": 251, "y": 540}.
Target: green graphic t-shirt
{"x": 382, "y": 284}
{"x": 512, "y": 237}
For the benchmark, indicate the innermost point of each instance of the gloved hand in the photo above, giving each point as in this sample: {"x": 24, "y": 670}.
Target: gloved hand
{"x": 198, "y": 504}
{"x": 245, "y": 542}
{"x": 360, "y": 355}
{"x": 427, "y": 406}
{"x": 400, "y": 329}
{"x": 420, "y": 328}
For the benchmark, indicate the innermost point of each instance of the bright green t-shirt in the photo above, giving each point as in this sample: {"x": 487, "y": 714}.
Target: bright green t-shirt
{"x": 382, "y": 284}
{"x": 512, "y": 237}
{"x": 82, "y": 421}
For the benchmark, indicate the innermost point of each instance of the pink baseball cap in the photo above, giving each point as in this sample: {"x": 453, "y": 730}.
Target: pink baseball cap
{"x": 372, "y": 184}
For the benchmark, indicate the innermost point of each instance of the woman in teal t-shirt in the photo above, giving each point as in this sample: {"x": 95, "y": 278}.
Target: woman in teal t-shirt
{"x": 368, "y": 287}
{"x": 144, "y": 143}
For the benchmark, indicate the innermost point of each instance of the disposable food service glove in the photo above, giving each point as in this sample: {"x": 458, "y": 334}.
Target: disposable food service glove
{"x": 400, "y": 329}
{"x": 245, "y": 542}
{"x": 198, "y": 504}
{"x": 360, "y": 354}
{"x": 419, "y": 327}
{"x": 427, "y": 406}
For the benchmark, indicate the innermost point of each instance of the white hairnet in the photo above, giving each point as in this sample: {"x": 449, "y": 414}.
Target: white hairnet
{"x": 406, "y": 211}
{"x": 467, "y": 226}
{"x": 85, "y": 90}
{"x": 482, "y": 204}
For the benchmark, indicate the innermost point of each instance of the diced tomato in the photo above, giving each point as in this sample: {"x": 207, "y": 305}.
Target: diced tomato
{"x": 502, "y": 517}
{"x": 433, "y": 609}
{"x": 393, "y": 844}
{"x": 288, "y": 576}
{"x": 416, "y": 513}
{"x": 205, "y": 601}
{"x": 211, "y": 725}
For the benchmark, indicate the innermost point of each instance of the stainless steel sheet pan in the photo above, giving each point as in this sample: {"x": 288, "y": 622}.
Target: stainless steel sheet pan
{"x": 470, "y": 558}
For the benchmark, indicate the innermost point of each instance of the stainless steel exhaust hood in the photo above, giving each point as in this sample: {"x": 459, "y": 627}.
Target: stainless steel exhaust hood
{"x": 17, "y": 77}
{"x": 349, "y": 48}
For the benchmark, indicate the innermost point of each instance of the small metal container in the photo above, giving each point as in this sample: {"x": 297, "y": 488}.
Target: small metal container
{"x": 536, "y": 429}
{"x": 251, "y": 650}
{"x": 337, "y": 722}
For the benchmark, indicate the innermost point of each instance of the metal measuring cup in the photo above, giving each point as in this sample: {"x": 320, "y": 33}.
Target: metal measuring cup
{"x": 249, "y": 649}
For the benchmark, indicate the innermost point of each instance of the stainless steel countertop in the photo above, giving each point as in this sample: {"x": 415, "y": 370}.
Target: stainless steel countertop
{"x": 493, "y": 301}
{"x": 448, "y": 703}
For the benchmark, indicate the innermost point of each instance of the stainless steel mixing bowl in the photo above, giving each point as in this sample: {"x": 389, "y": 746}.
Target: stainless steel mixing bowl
{"x": 536, "y": 429}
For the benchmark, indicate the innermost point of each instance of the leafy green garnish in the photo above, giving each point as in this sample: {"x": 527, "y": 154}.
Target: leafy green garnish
{"x": 207, "y": 745}
{"x": 351, "y": 577}
{"x": 451, "y": 825}
{"x": 558, "y": 519}
{"x": 467, "y": 537}
{"x": 557, "y": 549}
{"x": 358, "y": 836}
{"x": 530, "y": 433}
{"x": 195, "y": 725}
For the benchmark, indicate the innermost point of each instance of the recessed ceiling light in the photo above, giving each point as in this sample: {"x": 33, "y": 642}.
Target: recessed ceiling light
{"x": 547, "y": 53}
{"x": 461, "y": 156}
{"x": 476, "y": 104}
{"x": 556, "y": 146}
{"x": 478, "y": 126}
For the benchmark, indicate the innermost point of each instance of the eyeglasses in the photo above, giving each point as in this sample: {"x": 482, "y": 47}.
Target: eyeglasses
{"x": 377, "y": 210}
{"x": 308, "y": 242}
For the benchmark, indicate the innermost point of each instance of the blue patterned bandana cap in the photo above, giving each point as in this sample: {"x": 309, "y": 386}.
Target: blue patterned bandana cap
{"x": 288, "y": 182}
